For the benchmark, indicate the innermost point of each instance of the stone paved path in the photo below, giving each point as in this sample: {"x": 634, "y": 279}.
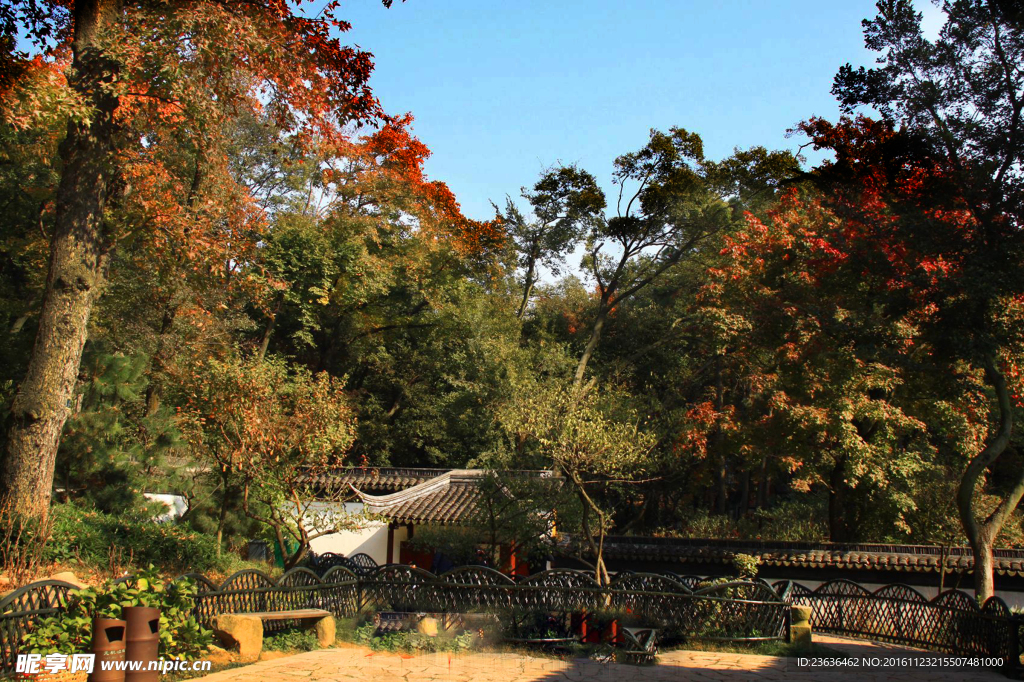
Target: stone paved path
{"x": 354, "y": 664}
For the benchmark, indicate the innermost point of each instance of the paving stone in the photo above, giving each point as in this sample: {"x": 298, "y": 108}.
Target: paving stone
{"x": 353, "y": 664}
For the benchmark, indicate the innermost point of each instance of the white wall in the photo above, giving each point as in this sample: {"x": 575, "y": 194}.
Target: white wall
{"x": 176, "y": 506}
{"x": 372, "y": 539}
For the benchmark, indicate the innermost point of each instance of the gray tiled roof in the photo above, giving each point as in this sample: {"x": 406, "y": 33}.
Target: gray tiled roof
{"x": 447, "y": 499}
{"x": 909, "y": 558}
{"x": 376, "y": 479}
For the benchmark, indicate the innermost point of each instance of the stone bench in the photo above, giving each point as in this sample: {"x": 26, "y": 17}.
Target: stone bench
{"x": 244, "y": 631}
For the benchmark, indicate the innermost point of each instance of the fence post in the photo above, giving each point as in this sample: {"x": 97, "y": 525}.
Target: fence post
{"x": 1011, "y": 667}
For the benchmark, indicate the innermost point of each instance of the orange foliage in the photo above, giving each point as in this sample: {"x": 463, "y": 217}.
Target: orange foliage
{"x": 392, "y": 155}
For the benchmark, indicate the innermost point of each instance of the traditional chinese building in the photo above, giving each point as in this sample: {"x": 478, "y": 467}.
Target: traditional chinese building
{"x": 404, "y": 499}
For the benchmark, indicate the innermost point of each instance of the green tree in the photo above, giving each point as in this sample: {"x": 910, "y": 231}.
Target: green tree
{"x": 958, "y": 100}
{"x": 383, "y": 280}
{"x": 268, "y": 431}
{"x": 589, "y": 438}
{"x": 679, "y": 200}
{"x": 128, "y": 58}
{"x": 111, "y": 448}
{"x": 565, "y": 204}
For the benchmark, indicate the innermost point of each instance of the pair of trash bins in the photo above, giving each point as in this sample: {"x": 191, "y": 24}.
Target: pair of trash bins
{"x": 136, "y": 639}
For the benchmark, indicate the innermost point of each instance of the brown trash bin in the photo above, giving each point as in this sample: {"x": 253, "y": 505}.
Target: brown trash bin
{"x": 108, "y": 646}
{"x": 143, "y": 642}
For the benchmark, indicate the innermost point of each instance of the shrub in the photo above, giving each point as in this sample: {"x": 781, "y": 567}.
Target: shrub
{"x": 181, "y": 636}
{"x": 230, "y": 563}
{"x": 533, "y": 624}
{"x": 89, "y": 536}
{"x": 788, "y": 520}
{"x": 291, "y": 640}
{"x": 411, "y": 641}
{"x": 22, "y": 546}
{"x": 746, "y": 566}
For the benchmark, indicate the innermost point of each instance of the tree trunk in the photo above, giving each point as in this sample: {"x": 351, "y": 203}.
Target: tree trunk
{"x": 721, "y": 494}
{"x": 279, "y": 536}
{"x": 172, "y": 304}
{"x": 268, "y": 329}
{"x": 153, "y": 391}
{"x": 837, "y": 527}
{"x": 595, "y": 338}
{"x": 743, "y": 505}
{"x": 296, "y": 558}
{"x": 223, "y": 515}
{"x": 19, "y": 322}
{"x": 984, "y": 569}
{"x": 78, "y": 256}
{"x": 762, "y": 484}
{"x": 596, "y": 547}
{"x": 718, "y": 445}
{"x": 528, "y": 288}
{"x": 982, "y": 534}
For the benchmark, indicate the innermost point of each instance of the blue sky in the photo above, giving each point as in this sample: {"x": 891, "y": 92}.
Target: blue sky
{"x": 502, "y": 90}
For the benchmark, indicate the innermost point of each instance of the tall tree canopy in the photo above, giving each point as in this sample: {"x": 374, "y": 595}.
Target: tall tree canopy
{"x": 146, "y": 79}
{"x": 224, "y": 267}
{"x": 943, "y": 196}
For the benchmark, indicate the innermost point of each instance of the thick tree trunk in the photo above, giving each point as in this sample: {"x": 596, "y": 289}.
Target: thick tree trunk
{"x": 984, "y": 568}
{"x": 78, "y": 255}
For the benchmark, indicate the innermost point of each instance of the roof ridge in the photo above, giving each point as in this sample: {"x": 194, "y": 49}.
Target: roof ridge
{"x": 381, "y": 502}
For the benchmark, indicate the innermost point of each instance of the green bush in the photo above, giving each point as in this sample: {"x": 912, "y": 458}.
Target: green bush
{"x": 181, "y": 636}
{"x": 533, "y": 624}
{"x": 229, "y": 563}
{"x": 411, "y": 641}
{"x": 746, "y": 566}
{"x": 89, "y": 535}
{"x": 788, "y": 520}
{"x": 291, "y": 640}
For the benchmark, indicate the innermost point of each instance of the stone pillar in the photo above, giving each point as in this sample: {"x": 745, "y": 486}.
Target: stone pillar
{"x": 800, "y": 625}
{"x": 240, "y": 632}
{"x": 326, "y": 631}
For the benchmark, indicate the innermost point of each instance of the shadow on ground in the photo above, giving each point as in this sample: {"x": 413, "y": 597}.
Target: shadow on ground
{"x": 353, "y": 664}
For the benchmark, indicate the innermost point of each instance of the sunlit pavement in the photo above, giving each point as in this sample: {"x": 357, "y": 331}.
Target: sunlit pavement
{"x": 348, "y": 664}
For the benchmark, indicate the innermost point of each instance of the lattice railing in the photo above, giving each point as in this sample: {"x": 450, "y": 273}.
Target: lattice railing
{"x": 733, "y": 610}
{"x": 360, "y": 563}
{"x": 952, "y": 622}
{"x": 684, "y": 606}
{"x": 20, "y": 610}
{"x": 248, "y": 591}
